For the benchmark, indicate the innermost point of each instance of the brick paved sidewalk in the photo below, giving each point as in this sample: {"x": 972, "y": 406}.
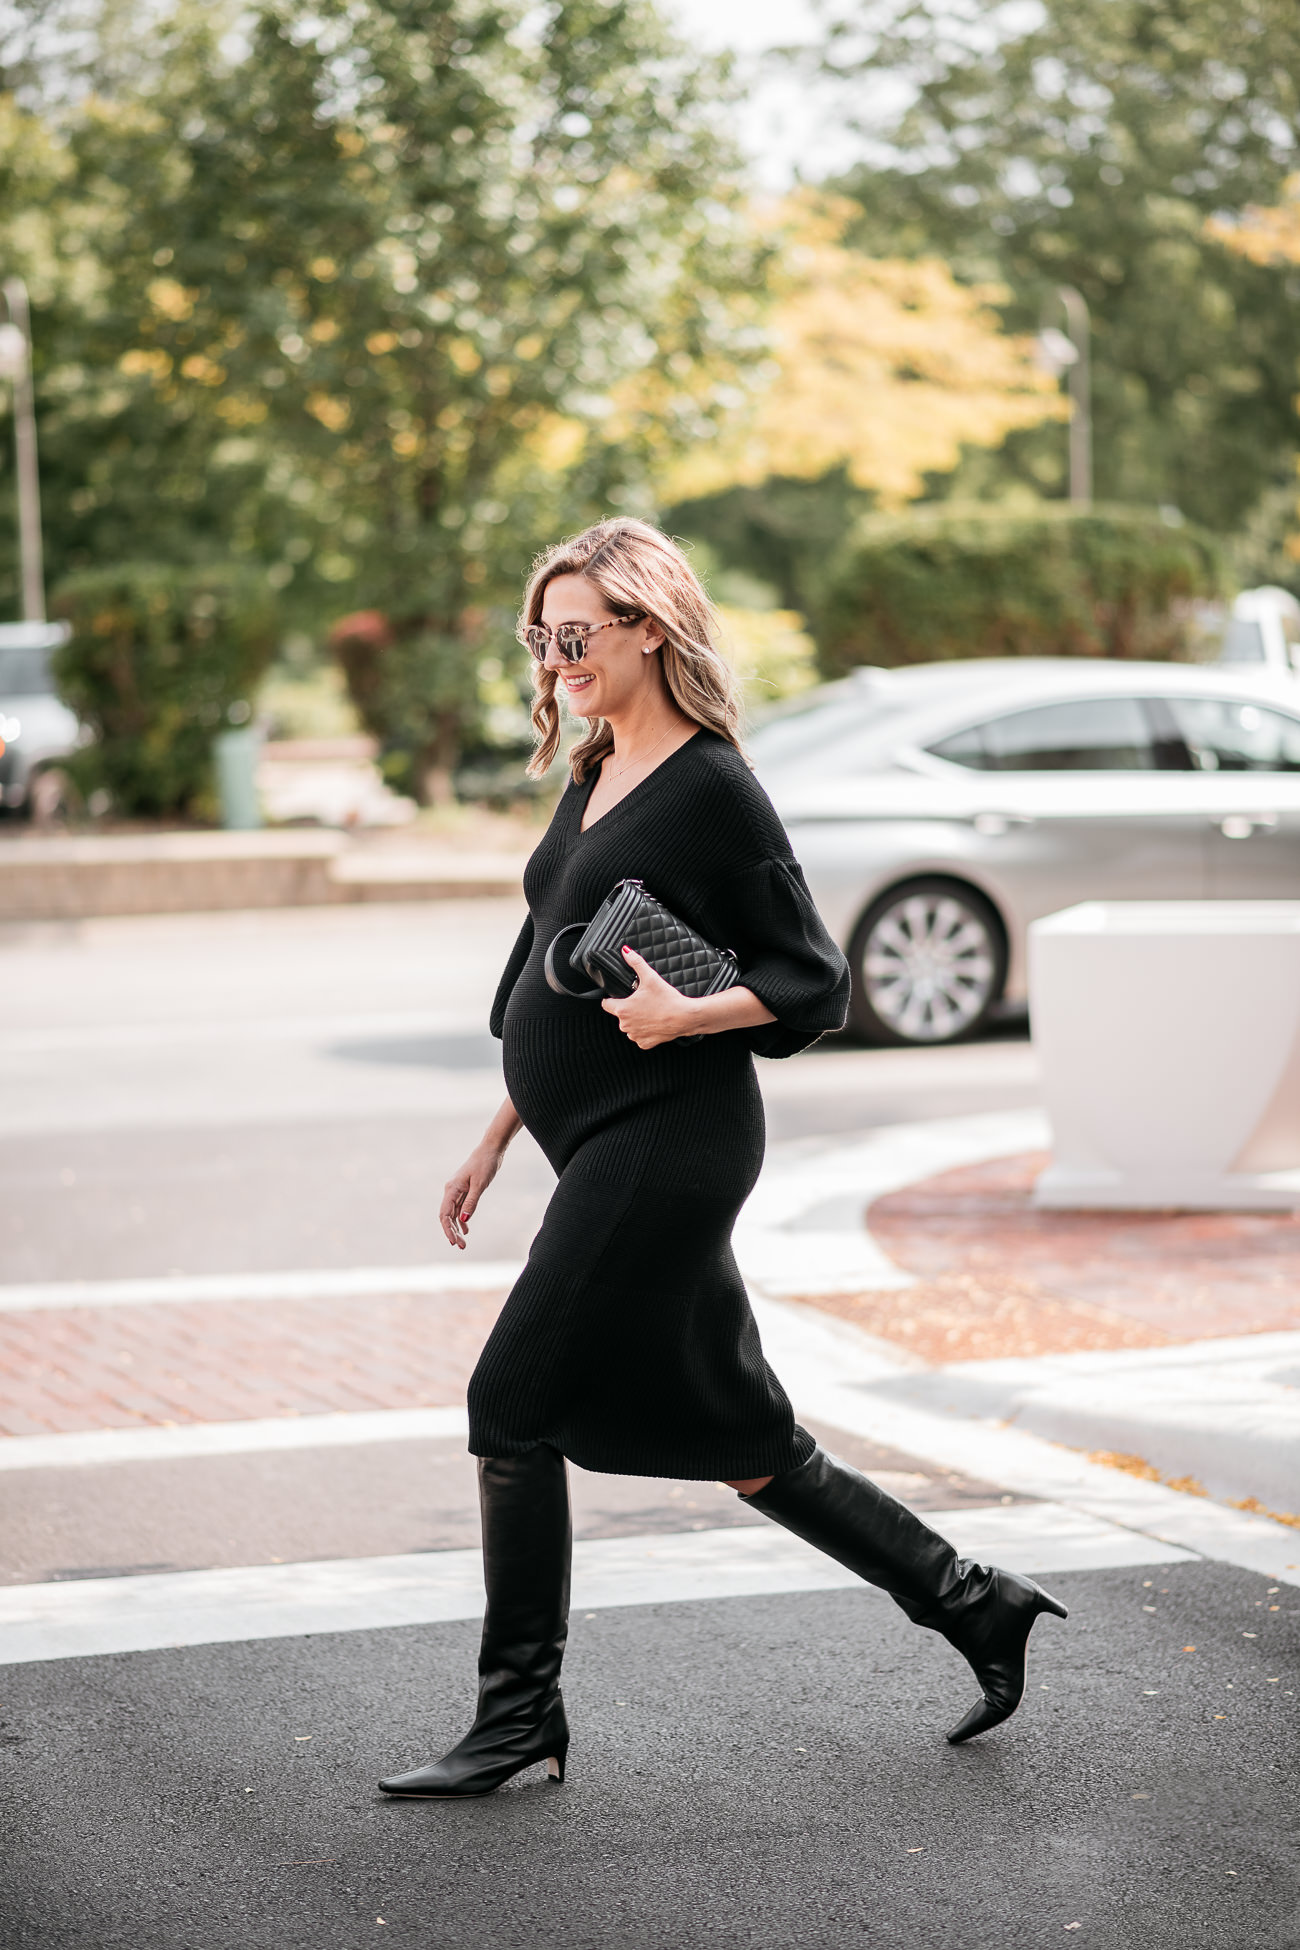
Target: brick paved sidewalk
{"x": 997, "y": 1278}
{"x": 171, "y": 1363}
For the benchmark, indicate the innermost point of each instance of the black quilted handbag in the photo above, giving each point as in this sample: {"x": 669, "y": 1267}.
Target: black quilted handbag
{"x": 628, "y": 915}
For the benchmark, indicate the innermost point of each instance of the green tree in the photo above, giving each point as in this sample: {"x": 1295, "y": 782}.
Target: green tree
{"x": 882, "y": 372}
{"x": 158, "y": 660}
{"x": 382, "y": 293}
{"x": 882, "y": 367}
{"x": 1088, "y": 143}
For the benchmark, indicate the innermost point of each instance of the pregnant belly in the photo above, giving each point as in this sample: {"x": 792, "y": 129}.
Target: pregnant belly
{"x": 687, "y": 1116}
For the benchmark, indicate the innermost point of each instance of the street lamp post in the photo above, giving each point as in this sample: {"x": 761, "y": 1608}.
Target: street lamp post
{"x": 1070, "y": 352}
{"x": 16, "y": 366}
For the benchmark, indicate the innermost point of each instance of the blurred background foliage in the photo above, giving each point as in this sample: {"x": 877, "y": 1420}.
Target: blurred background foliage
{"x": 963, "y": 580}
{"x": 160, "y": 660}
{"x": 881, "y": 367}
{"x": 1099, "y": 143}
{"x": 415, "y": 689}
{"x": 363, "y": 302}
{"x": 1138, "y": 150}
{"x": 343, "y": 292}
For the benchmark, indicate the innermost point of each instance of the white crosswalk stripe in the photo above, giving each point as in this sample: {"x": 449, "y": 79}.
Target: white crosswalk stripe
{"x": 138, "y": 1614}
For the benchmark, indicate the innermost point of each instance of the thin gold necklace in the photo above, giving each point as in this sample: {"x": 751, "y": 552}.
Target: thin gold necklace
{"x": 644, "y": 756}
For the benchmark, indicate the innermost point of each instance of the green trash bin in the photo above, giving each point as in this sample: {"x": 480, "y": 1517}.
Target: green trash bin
{"x": 236, "y": 754}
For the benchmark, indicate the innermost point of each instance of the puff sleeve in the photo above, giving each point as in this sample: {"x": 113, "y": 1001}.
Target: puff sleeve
{"x": 765, "y": 914}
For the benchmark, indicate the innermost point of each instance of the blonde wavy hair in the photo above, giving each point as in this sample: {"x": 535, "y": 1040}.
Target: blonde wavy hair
{"x": 641, "y": 573}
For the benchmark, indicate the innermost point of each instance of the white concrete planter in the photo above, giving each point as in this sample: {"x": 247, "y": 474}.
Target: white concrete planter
{"x": 1169, "y": 1034}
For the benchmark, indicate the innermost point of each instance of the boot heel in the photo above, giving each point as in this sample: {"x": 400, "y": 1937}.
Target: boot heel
{"x": 1047, "y": 1603}
{"x": 555, "y": 1766}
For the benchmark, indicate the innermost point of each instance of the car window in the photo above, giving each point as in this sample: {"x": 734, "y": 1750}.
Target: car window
{"x": 866, "y": 746}
{"x": 1100, "y": 734}
{"x": 848, "y": 737}
{"x": 797, "y": 731}
{"x": 25, "y": 672}
{"x": 1243, "y": 642}
{"x": 1226, "y": 735}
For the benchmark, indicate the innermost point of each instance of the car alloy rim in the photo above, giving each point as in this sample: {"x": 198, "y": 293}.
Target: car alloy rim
{"x": 928, "y": 966}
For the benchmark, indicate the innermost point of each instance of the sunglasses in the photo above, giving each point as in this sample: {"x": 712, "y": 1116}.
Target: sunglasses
{"x": 570, "y": 638}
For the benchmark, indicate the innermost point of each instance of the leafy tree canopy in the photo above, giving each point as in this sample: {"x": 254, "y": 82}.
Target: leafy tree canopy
{"x": 1090, "y": 142}
{"x": 884, "y": 368}
{"x": 350, "y": 290}
{"x": 1265, "y": 236}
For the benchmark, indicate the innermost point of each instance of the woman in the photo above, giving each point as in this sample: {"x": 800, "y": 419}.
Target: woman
{"x": 627, "y": 1343}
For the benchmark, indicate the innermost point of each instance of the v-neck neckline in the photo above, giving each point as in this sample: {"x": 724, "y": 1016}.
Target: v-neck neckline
{"x": 585, "y": 800}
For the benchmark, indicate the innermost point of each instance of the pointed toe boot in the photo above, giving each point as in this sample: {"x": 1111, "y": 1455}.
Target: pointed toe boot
{"x": 527, "y": 1545}
{"x": 499, "y": 1745}
{"x": 992, "y": 1635}
{"x": 985, "y": 1613}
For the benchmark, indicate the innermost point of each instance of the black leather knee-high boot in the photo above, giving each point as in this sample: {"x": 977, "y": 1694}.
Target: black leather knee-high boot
{"x": 527, "y": 1547}
{"x": 985, "y": 1613}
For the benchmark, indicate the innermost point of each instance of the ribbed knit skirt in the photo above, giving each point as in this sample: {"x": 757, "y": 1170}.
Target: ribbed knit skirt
{"x": 628, "y": 1342}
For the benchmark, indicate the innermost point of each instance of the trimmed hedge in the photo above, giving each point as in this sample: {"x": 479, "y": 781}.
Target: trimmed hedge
{"x": 956, "y": 580}
{"x": 160, "y": 658}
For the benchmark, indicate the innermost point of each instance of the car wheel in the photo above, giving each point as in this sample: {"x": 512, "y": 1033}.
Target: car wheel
{"x": 928, "y": 960}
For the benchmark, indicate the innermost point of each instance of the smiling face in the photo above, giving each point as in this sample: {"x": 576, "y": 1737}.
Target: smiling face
{"x": 616, "y": 674}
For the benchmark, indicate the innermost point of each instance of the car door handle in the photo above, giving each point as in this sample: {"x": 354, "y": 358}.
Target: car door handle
{"x": 992, "y": 825}
{"x": 1244, "y": 826}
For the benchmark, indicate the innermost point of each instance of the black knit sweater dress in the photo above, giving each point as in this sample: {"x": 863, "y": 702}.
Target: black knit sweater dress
{"x": 628, "y": 1342}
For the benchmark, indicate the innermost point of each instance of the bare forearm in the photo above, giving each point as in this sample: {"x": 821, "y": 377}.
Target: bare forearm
{"x": 737, "y": 1008}
{"x": 505, "y": 1125}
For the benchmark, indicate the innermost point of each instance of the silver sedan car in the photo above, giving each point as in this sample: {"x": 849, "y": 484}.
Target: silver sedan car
{"x": 36, "y": 727}
{"x": 938, "y": 809}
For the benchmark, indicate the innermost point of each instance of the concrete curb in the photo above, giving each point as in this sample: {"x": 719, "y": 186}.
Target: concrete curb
{"x": 837, "y": 1375}
{"x": 47, "y": 879}
{"x": 802, "y": 1230}
{"x": 1225, "y": 1413}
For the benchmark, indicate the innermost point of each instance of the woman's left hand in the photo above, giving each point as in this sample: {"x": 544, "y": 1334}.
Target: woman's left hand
{"x": 655, "y": 1012}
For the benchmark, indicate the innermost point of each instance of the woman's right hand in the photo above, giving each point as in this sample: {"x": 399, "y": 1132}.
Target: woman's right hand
{"x": 465, "y": 1188}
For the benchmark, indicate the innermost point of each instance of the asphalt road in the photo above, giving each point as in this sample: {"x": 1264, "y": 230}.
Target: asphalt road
{"x": 765, "y": 1771}
{"x": 365, "y": 1500}
{"x": 231, "y": 1093}
{"x": 238, "y": 1092}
